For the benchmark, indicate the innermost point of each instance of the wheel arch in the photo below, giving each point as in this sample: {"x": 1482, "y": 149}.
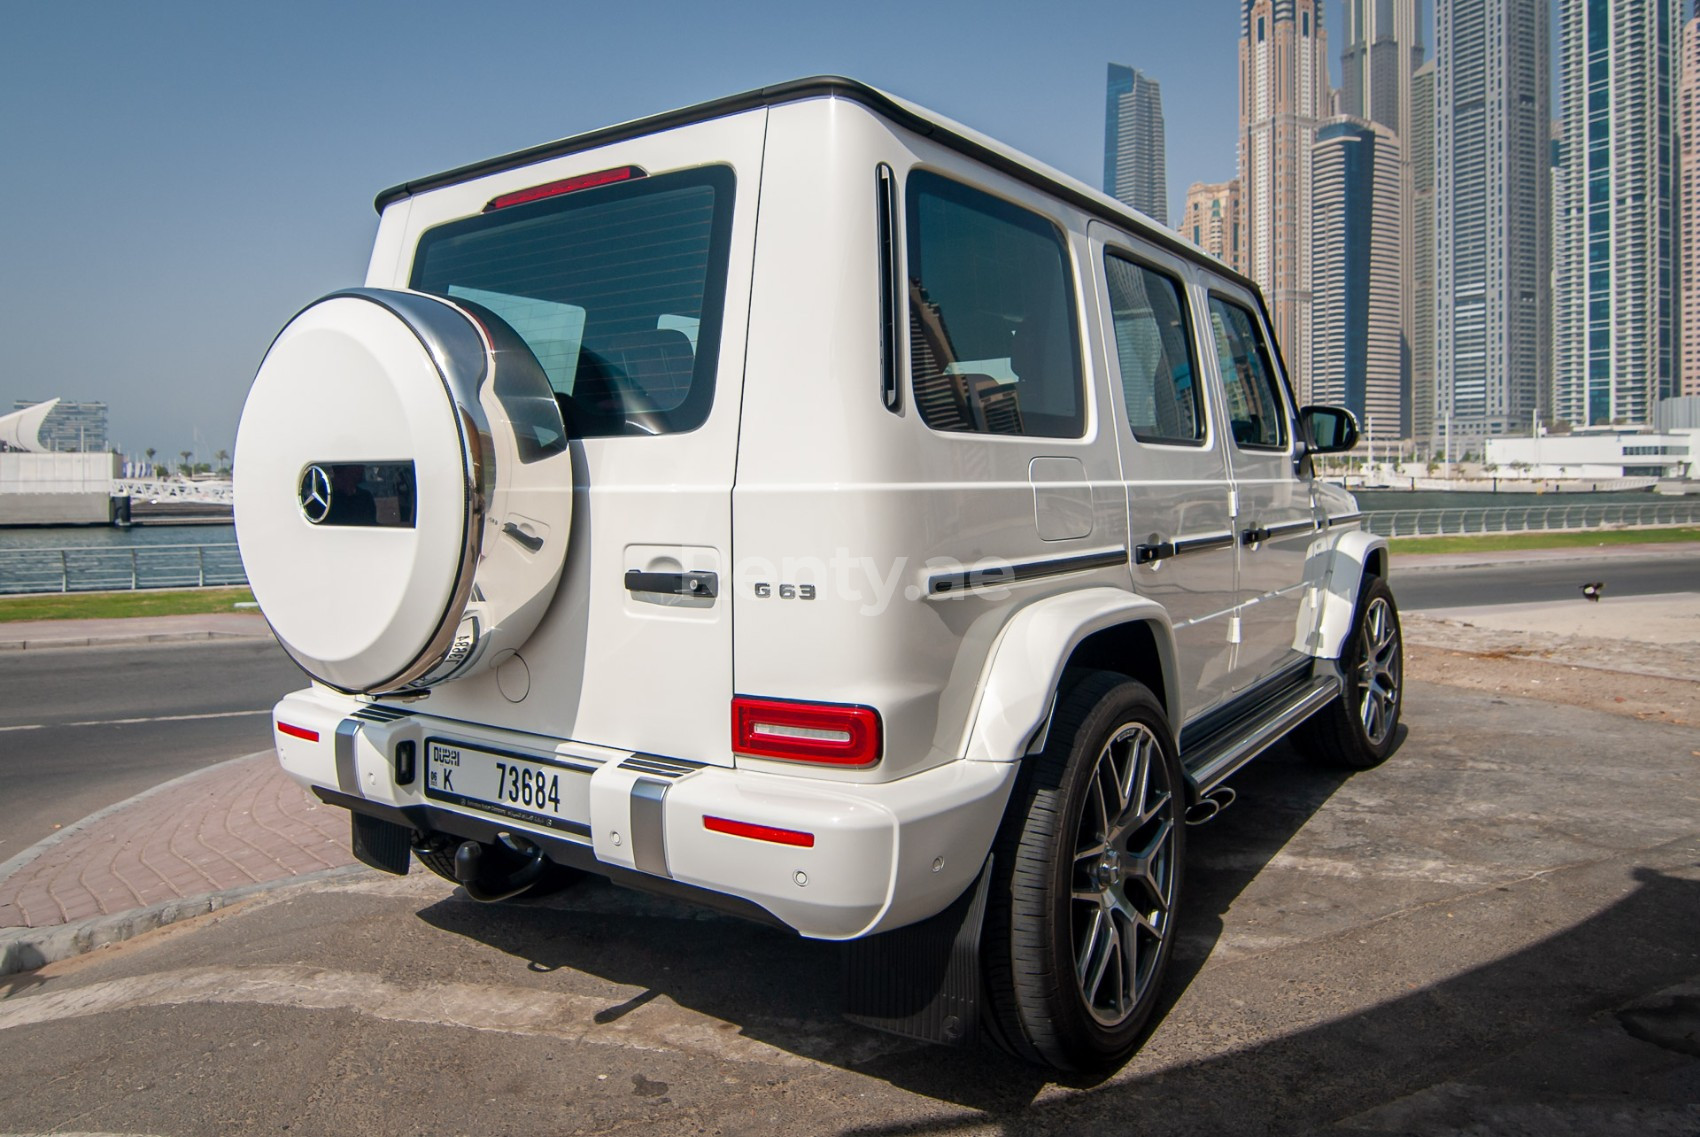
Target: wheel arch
{"x": 1335, "y": 575}
{"x": 1101, "y": 628}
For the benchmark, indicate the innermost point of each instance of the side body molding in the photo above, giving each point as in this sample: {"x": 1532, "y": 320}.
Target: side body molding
{"x": 1027, "y": 663}
{"x": 1334, "y": 570}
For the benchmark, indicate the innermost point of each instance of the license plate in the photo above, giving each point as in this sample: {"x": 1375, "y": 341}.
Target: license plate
{"x": 507, "y": 785}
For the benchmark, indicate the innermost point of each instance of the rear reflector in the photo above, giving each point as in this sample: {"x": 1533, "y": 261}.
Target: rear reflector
{"x": 565, "y": 185}
{"x": 830, "y": 733}
{"x": 300, "y": 732}
{"x": 760, "y": 832}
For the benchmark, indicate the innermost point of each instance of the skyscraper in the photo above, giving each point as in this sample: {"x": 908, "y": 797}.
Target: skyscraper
{"x": 1615, "y": 316}
{"x": 1283, "y": 97}
{"x": 1135, "y": 160}
{"x": 1383, "y": 49}
{"x": 1357, "y": 348}
{"x": 1492, "y": 215}
{"x": 1421, "y": 265}
{"x": 1212, "y": 220}
{"x": 1688, "y": 208}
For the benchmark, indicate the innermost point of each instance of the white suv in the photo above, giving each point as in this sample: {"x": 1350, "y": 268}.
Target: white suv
{"x": 806, "y": 505}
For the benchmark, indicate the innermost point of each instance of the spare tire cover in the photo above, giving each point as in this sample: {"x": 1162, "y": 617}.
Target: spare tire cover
{"x": 403, "y": 490}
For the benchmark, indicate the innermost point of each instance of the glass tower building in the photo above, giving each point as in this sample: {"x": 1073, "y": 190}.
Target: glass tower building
{"x": 1615, "y": 316}
{"x": 1135, "y": 154}
{"x": 1493, "y": 217}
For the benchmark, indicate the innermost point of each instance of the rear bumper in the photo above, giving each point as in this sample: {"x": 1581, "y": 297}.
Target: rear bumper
{"x": 880, "y": 855}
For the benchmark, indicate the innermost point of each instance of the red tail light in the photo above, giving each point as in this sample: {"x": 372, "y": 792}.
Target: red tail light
{"x": 300, "y": 732}
{"x": 830, "y": 733}
{"x": 565, "y": 185}
{"x": 794, "y": 837}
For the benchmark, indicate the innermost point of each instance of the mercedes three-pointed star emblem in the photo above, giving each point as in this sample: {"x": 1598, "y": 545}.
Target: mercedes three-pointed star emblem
{"x": 316, "y": 494}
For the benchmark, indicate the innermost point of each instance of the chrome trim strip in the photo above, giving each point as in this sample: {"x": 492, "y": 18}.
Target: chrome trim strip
{"x": 347, "y": 770}
{"x": 1347, "y": 518}
{"x": 664, "y": 767}
{"x": 649, "y": 834}
{"x": 996, "y": 576}
{"x": 1290, "y": 527}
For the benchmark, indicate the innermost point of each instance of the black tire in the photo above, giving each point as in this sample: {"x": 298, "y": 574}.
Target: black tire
{"x": 1081, "y": 870}
{"x": 437, "y": 853}
{"x": 1359, "y": 729}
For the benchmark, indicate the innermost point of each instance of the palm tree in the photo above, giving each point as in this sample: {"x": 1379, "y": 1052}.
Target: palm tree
{"x": 223, "y": 457}
{"x": 186, "y": 469}
{"x": 153, "y": 471}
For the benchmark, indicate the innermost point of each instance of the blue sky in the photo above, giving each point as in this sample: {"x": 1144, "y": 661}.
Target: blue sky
{"x": 182, "y": 177}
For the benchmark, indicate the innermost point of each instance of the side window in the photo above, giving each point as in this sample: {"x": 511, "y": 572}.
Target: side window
{"x": 1158, "y": 373}
{"x": 1253, "y": 396}
{"x": 992, "y": 340}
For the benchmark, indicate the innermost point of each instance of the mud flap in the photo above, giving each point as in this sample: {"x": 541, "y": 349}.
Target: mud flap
{"x": 381, "y": 844}
{"x": 922, "y": 981}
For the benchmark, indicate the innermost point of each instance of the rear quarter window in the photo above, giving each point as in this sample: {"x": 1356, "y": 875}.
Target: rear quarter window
{"x": 618, "y": 291}
{"x": 992, "y": 340}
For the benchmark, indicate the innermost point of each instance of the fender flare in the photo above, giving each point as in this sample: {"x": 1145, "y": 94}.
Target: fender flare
{"x": 1334, "y": 572}
{"x": 1018, "y": 687}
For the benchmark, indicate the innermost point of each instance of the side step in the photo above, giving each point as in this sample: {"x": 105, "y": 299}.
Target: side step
{"x": 1247, "y": 730}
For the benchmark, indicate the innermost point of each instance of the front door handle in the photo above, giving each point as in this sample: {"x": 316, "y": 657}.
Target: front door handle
{"x": 1253, "y": 536}
{"x": 704, "y": 584}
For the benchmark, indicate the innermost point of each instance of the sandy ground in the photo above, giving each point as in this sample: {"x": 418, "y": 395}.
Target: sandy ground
{"x": 1634, "y": 656}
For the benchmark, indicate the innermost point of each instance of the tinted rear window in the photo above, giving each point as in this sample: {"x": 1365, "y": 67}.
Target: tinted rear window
{"x": 618, "y": 291}
{"x": 993, "y": 348}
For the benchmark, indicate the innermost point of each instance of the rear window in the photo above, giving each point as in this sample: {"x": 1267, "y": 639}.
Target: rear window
{"x": 618, "y": 291}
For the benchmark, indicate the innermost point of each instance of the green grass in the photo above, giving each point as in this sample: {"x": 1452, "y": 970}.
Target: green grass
{"x": 110, "y": 605}
{"x": 1574, "y": 539}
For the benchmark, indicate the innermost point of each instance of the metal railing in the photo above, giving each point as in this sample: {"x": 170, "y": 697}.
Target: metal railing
{"x": 129, "y": 567}
{"x": 1532, "y": 518}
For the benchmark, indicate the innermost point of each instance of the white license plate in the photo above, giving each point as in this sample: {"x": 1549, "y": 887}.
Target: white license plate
{"x": 524, "y": 789}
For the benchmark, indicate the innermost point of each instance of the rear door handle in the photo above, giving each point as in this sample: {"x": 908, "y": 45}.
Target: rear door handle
{"x": 705, "y": 584}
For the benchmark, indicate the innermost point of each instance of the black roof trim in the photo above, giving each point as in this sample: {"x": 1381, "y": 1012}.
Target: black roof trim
{"x": 839, "y": 87}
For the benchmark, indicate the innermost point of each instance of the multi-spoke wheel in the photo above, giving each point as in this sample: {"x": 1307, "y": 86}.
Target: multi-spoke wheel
{"x": 1088, "y": 870}
{"x": 1359, "y": 728}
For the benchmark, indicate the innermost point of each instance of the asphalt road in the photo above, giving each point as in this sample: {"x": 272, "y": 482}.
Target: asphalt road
{"x": 1535, "y": 581}
{"x": 82, "y": 728}
{"x": 1492, "y": 933}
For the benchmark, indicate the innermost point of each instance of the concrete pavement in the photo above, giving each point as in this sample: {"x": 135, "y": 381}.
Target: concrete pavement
{"x": 34, "y": 635}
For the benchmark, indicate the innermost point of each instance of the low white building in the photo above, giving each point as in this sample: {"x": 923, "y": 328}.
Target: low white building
{"x": 1600, "y": 454}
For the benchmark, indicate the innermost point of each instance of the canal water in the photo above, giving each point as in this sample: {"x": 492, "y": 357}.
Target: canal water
{"x": 94, "y": 558}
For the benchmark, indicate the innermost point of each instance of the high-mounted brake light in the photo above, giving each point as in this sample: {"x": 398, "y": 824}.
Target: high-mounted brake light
{"x": 566, "y": 185}
{"x": 793, "y": 837}
{"x": 300, "y": 732}
{"x": 829, "y": 733}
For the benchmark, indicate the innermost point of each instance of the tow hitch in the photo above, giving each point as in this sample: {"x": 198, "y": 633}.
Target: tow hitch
{"x": 501, "y": 871}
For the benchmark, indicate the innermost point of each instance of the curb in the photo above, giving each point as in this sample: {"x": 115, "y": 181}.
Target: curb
{"x": 127, "y": 640}
{"x": 26, "y": 949}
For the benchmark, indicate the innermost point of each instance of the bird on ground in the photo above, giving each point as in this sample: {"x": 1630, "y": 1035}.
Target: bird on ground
{"x": 1592, "y": 591}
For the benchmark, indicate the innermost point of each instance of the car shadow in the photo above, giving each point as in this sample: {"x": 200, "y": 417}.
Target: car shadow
{"x": 785, "y": 991}
{"x": 1574, "y": 1034}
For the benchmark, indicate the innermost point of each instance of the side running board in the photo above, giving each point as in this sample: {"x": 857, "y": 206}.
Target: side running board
{"x": 1249, "y": 729}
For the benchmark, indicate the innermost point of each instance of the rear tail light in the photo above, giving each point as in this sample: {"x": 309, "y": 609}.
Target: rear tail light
{"x": 565, "y": 185}
{"x": 828, "y": 733}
